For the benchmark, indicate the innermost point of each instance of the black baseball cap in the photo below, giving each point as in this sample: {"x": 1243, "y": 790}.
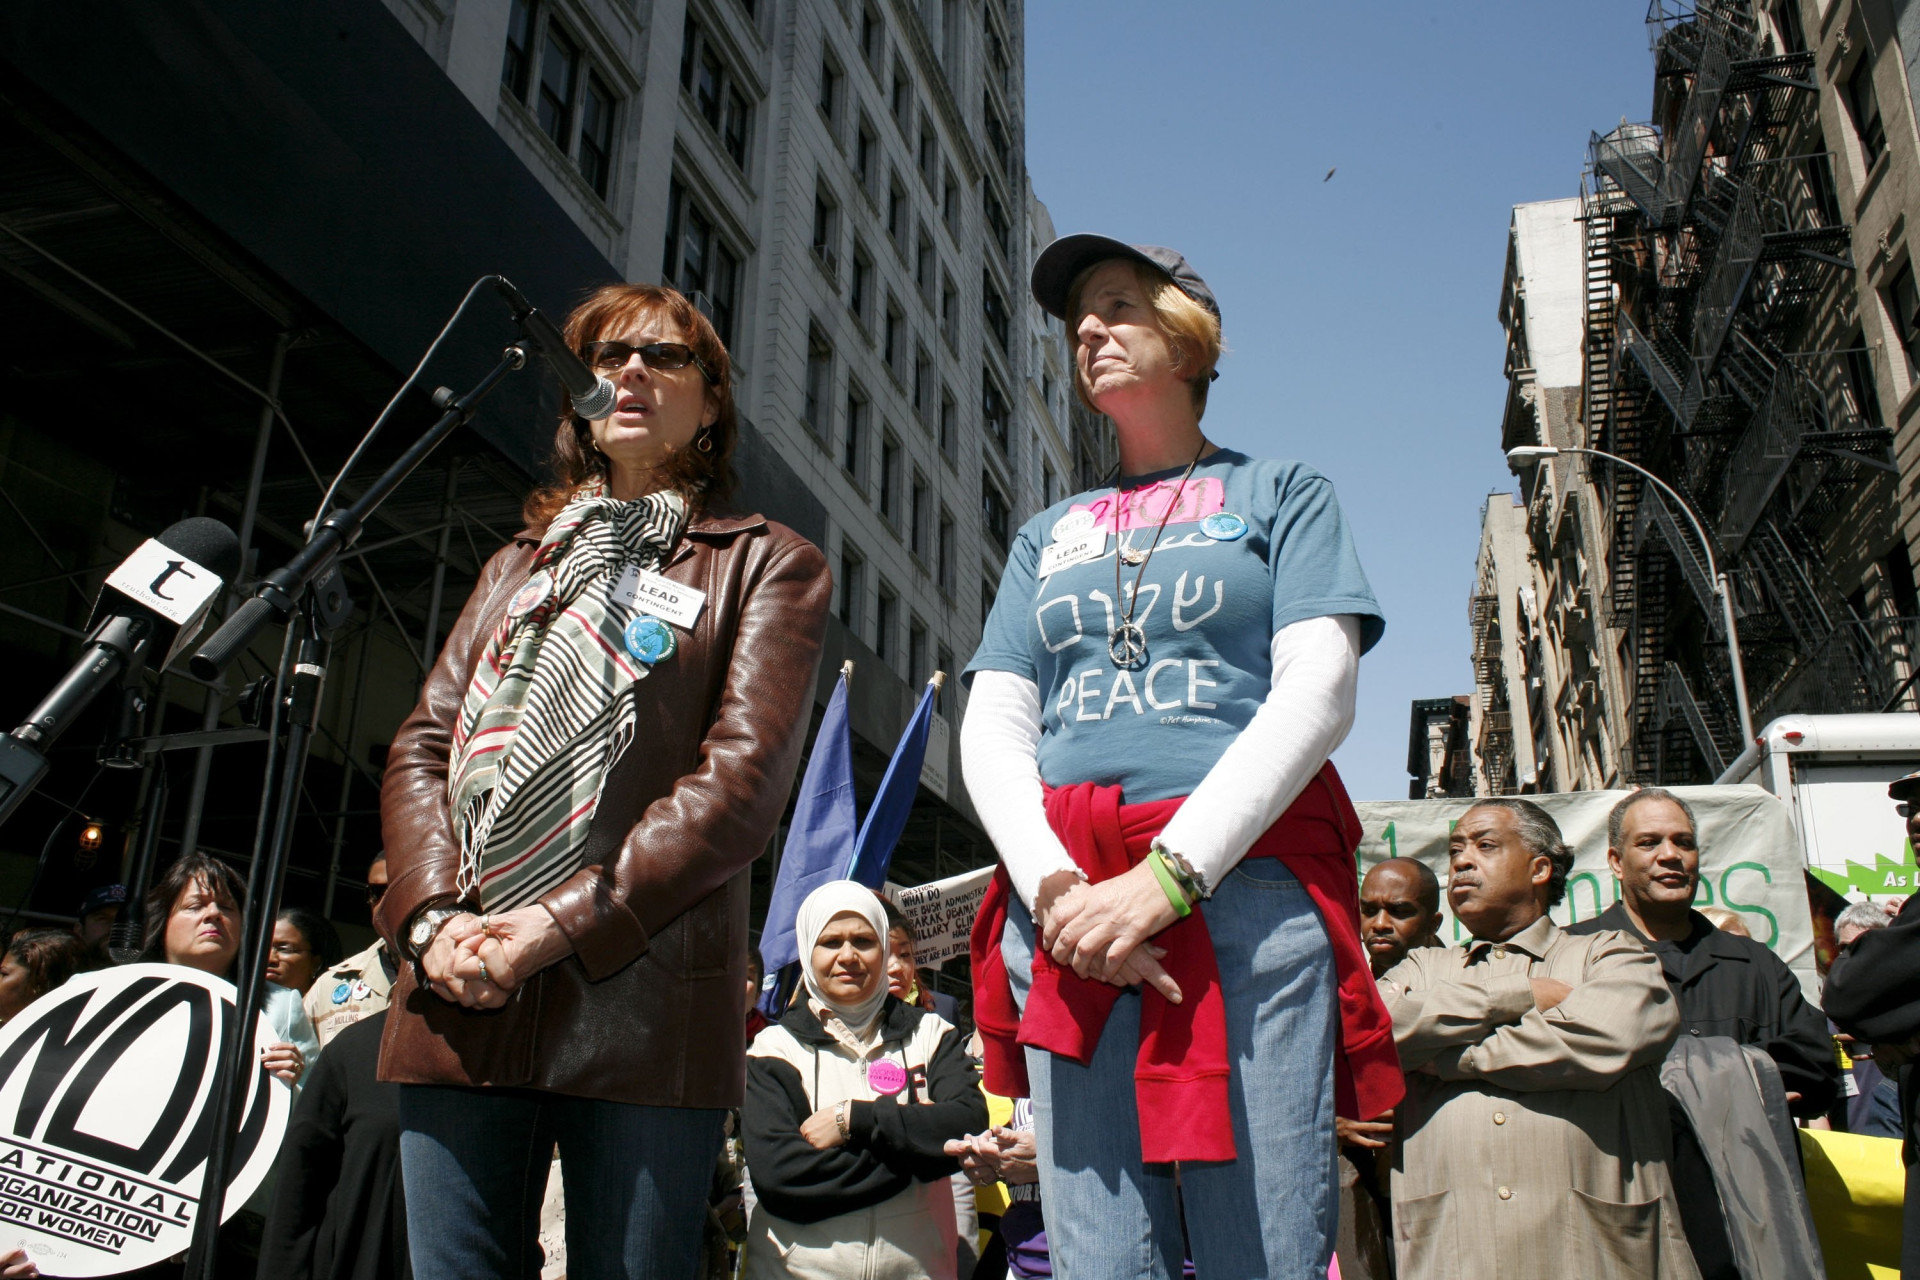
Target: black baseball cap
{"x": 1054, "y": 270}
{"x": 107, "y": 895}
{"x": 1905, "y": 788}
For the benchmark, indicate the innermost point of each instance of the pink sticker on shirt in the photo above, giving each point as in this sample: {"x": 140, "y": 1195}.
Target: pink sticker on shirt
{"x": 886, "y": 1078}
{"x": 1144, "y": 508}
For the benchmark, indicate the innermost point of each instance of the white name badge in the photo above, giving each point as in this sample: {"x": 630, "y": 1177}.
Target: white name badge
{"x": 1090, "y": 545}
{"x": 649, "y": 592}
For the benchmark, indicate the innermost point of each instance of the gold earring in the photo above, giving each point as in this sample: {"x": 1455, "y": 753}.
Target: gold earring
{"x": 704, "y": 441}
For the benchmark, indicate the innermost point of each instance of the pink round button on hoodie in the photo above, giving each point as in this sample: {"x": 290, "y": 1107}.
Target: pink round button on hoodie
{"x": 886, "y": 1077}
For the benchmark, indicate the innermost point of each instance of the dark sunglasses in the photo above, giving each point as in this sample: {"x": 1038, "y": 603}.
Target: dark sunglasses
{"x": 375, "y": 892}
{"x": 611, "y": 357}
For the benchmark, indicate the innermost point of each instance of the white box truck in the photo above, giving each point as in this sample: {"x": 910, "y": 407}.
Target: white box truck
{"x": 1832, "y": 773}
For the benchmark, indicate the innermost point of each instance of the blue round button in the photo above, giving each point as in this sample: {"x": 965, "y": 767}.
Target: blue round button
{"x": 650, "y": 639}
{"x": 1224, "y": 526}
{"x": 342, "y": 993}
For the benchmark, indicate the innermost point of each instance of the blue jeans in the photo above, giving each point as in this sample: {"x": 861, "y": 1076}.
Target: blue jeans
{"x": 1272, "y": 1212}
{"x": 475, "y": 1163}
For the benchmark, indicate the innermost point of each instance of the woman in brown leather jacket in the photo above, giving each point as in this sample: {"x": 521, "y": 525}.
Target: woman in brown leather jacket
{"x": 602, "y": 749}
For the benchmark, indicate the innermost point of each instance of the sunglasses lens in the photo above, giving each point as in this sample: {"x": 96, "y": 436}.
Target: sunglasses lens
{"x": 666, "y": 355}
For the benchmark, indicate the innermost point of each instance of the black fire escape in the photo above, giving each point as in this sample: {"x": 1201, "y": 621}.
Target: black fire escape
{"x": 1714, "y": 244}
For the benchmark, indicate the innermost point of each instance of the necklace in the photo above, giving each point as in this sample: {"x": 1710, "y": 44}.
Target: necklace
{"x": 1127, "y": 642}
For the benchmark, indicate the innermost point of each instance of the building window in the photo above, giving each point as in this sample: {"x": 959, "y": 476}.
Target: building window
{"x": 865, "y": 148}
{"x": 995, "y": 413}
{"x": 945, "y": 553}
{"x": 872, "y": 37}
{"x": 995, "y": 512}
{"x": 890, "y": 479}
{"x": 716, "y": 92}
{"x": 901, "y": 99}
{"x": 826, "y": 229}
{"x": 698, "y": 264}
{"x": 1861, "y": 385}
{"x": 518, "y": 64}
{"x": 860, "y": 292}
{"x": 949, "y": 426}
{"x": 851, "y": 592}
{"x": 559, "y": 68}
{"x": 853, "y": 451}
{"x": 917, "y": 673}
{"x": 570, "y": 101}
{"x": 998, "y": 228}
{"x": 922, "y": 385}
{"x": 819, "y": 384}
{"x": 896, "y": 214}
{"x": 1865, "y": 105}
{"x": 596, "y": 135}
{"x": 1903, "y": 300}
{"x": 998, "y": 138}
{"x": 923, "y": 268}
{"x": 891, "y": 338}
{"x": 994, "y": 308}
{"x": 929, "y": 158}
{"x": 1048, "y": 485}
{"x": 950, "y": 202}
{"x": 829, "y": 101}
{"x": 1786, "y": 19}
{"x": 885, "y": 617}
{"x": 949, "y": 311}
{"x": 987, "y": 593}
{"x": 919, "y": 515}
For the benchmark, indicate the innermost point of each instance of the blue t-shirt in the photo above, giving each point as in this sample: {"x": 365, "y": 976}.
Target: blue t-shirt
{"x": 1250, "y": 547}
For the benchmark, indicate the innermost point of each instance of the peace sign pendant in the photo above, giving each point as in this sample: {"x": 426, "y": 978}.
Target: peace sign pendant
{"x": 1127, "y": 646}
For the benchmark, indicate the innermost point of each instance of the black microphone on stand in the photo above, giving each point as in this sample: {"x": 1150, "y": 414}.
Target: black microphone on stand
{"x": 155, "y": 599}
{"x": 593, "y": 396}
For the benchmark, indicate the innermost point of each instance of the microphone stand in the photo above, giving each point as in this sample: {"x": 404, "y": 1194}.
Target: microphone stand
{"x": 307, "y": 591}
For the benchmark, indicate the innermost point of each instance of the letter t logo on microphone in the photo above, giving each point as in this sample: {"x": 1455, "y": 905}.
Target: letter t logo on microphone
{"x": 173, "y": 567}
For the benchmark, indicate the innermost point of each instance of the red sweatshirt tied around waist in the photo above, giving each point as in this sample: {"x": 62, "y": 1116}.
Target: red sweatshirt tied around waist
{"x": 1181, "y": 1072}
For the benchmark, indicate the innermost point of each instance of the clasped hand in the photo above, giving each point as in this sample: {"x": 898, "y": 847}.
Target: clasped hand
{"x": 998, "y": 1155}
{"x": 479, "y": 961}
{"x": 1100, "y": 930}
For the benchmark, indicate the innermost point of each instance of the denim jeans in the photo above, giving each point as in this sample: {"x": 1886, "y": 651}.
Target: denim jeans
{"x": 1272, "y": 1212}
{"x": 475, "y": 1163}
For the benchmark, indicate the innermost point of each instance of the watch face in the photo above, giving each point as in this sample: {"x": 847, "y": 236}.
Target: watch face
{"x": 422, "y": 931}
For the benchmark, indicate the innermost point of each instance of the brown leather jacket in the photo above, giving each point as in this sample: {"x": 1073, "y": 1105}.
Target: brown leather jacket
{"x": 647, "y": 1008}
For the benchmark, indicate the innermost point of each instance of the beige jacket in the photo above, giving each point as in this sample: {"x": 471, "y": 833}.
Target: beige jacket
{"x": 1534, "y": 1145}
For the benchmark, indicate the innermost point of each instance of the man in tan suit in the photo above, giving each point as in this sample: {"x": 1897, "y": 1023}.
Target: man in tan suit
{"x": 1534, "y": 1136}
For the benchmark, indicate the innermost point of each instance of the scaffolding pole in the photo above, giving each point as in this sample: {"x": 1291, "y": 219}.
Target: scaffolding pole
{"x": 347, "y": 766}
{"x": 249, "y": 512}
{"x": 432, "y": 631}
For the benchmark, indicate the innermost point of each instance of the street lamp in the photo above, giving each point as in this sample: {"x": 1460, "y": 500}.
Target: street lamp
{"x": 1528, "y": 454}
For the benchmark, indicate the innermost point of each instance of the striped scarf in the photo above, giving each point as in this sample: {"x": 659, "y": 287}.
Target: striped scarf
{"x": 552, "y": 701}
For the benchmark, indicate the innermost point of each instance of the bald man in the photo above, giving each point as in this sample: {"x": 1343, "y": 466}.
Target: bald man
{"x": 1399, "y": 910}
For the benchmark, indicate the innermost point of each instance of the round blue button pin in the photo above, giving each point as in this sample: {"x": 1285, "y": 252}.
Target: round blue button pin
{"x": 650, "y": 639}
{"x": 1224, "y": 526}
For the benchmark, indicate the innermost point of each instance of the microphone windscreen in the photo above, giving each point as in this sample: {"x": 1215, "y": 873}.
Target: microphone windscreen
{"x": 207, "y": 542}
{"x": 600, "y": 402}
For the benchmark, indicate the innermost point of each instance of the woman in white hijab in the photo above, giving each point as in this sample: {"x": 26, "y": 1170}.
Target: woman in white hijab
{"x": 851, "y": 1098}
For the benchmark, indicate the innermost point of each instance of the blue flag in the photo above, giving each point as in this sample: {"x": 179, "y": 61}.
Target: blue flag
{"x": 873, "y": 851}
{"x": 822, "y": 835}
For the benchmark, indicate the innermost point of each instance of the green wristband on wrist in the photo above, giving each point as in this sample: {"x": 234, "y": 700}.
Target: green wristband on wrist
{"x": 1182, "y": 905}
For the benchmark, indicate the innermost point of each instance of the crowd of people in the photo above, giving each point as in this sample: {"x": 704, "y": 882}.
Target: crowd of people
{"x": 1195, "y": 1045}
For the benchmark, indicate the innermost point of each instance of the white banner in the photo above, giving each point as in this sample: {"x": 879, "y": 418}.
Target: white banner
{"x": 105, "y": 1089}
{"x": 1750, "y": 860}
{"x": 942, "y": 914}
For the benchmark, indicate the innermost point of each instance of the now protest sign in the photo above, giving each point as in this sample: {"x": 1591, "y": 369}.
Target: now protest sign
{"x": 106, "y": 1089}
{"x": 942, "y": 913}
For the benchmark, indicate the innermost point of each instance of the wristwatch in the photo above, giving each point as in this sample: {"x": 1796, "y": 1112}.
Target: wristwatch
{"x": 425, "y": 926}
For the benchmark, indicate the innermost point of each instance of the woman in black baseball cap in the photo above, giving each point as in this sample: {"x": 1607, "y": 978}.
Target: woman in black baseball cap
{"x": 1169, "y": 661}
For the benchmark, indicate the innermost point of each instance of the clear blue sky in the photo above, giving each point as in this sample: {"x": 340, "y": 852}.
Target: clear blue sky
{"x": 1360, "y": 311}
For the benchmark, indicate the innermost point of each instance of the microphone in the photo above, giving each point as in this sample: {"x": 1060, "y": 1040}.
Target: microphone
{"x": 593, "y": 396}
{"x": 157, "y": 597}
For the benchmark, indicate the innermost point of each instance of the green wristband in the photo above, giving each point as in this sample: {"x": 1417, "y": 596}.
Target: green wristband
{"x": 1168, "y": 885}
